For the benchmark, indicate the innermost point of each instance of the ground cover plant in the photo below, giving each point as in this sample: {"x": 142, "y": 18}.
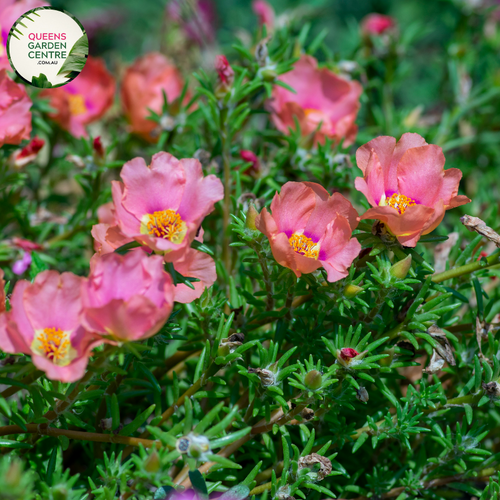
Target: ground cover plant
{"x": 252, "y": 251}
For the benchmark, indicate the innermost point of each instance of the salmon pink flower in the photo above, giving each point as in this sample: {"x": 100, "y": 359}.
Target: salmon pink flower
{"x": 10, "y": 12}
{"x": 377, "y": 24}
{"x": 127, "y": 297}
{"x": 324, "y": 104}
{"x": 194, "y": 264}
{"x": 84, "y": 100}
{"x": 309, "y": 229}
{"x": 407, "y": 185}
{"x": 162, "y": 205}
{"x": 15, "y": 115}
{"x": 264, "y": 12}
{"x": 142, "y": 90}
{"x": 45, "y": 322}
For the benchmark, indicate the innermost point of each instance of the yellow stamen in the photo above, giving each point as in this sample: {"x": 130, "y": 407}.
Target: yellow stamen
{"x": 54, "y": 343}
{"x": 76, "y": 104}
{"x": 400, "y": 202}
{"x": 166, "y": 224}
{"x": 304, "y": 245}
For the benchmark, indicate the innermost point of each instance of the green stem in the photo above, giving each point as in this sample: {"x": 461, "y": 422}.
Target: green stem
{"x": 80, "y": 435}
{"x": 492, "y": 260}
{"x": 226, "y": 162}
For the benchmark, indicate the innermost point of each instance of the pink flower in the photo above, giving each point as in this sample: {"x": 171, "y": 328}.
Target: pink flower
{"x": 377, "y": 24}
{"x": 15, "y": 115}
{"x": 127, "y": 297}
{"x": 250, "y": 157}
{"x": 45, "y": 322}
{"x": 10, "y": 12}
{"x": 84, "y": 100}
{"x": 309, "y": 229}
{"x": 224, "y": 70}
{"x": 264, "y": 12}
{"x": 407, "y": 185}
{"x": 324, "y": 104}
{"x": 142, "y": 90}
{"x": 29, "y": 153}
{"x": 194, "y": 264}
{"x": 162, "y": 205}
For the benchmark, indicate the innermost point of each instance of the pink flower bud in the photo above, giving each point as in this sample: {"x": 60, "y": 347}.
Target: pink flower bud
{"x": 224, "y": 70}
{"x": 98, "y": 147}
{"x": 377, "y": 24}
{"x": 29, "y": 152}
{"x": 348, "y": 353}
{"x": 250, "y": 157}
{"x": 21, "y": 265}
{"x": 25, "y": 245}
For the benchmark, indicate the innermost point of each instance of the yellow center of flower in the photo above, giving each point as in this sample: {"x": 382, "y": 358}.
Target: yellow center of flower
{"x": 400, "y": 202}
{"x": 76, "y": 104}
{"x": 54, "y": 344}
{"x": 165, "y": 224}
{"x": 304, "y": 245}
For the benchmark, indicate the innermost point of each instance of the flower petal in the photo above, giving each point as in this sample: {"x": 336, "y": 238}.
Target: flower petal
{"x": 406, "y": 227}
{"x": 292, "y": 207}
{"x": 420, "y": 174}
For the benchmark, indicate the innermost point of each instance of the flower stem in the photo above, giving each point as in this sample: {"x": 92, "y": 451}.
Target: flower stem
{"x": 80, "y": 435}
{"x": 226, "y": 163}
{"x": 492, "y": 260}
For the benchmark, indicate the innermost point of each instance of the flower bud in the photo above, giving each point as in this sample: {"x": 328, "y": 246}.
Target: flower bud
{"x": 307, "y": 414}
{"x": 98, "y": 147}
{"x": 268, "y": 74}
{"x": 251, "y": 216}
{"x": 401, "y": 268}
{"x": 313, "y": 380}
{"x": 250, "y": 157}
{"x": 377, "y": 24}
{"x": 350, "y": 291}
{"x": 153, "y": 462}
{"x": 28, "y": 153}
{"x": 311, "y": 461}
{"x": 348, "y": 353}
{"x": 267, "y": 377}
{"x": 195, "y": 446}
{"x": 492, "y": 389}
{"x": 225, "y": 76}
{"x": 362, "y": 395}
{"x": 224, "y": 70}
{"x": 229, "y": 345}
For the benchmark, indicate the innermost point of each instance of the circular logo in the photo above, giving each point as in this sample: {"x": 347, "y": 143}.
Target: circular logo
{"x": 47, "y": 47}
